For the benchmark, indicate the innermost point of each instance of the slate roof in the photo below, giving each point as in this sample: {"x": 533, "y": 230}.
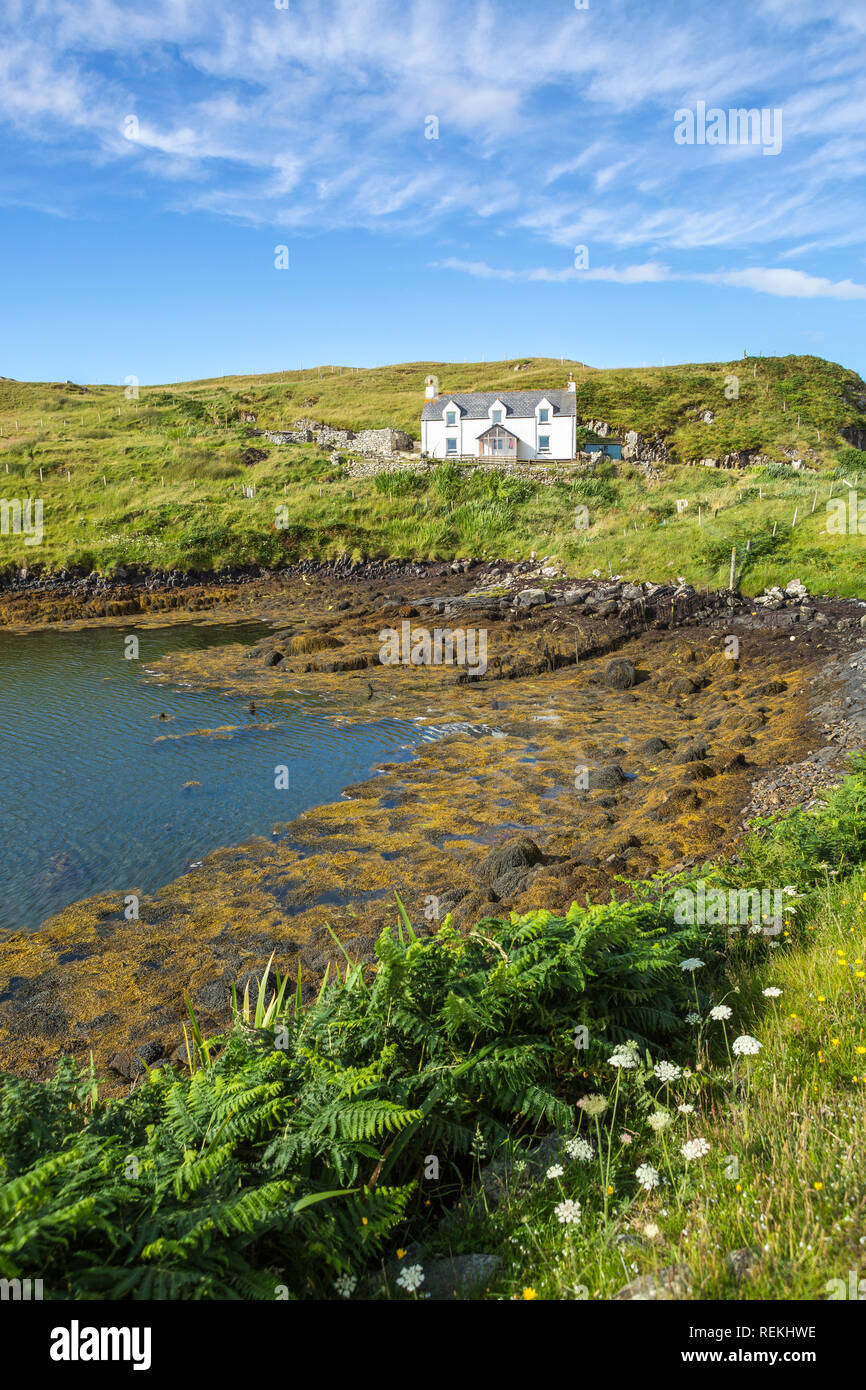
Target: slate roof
{"x": 475, "y": 405}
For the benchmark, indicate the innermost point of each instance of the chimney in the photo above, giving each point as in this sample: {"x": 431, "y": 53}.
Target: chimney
{"x": 431, "y": 388}
{"x": 571, "y": 384}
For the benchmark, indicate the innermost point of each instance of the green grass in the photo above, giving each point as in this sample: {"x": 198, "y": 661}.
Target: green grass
{"x": 294, "y": 1153}
{"x": 159, "y": 483}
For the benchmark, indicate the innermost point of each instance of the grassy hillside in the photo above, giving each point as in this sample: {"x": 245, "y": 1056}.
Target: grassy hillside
{"x": 157, "y": 480}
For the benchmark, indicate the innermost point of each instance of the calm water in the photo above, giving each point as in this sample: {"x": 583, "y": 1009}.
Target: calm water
{"x": 94, "y": 799}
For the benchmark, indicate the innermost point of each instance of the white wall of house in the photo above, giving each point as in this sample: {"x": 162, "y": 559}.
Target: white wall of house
{"x": 531, "y": 431}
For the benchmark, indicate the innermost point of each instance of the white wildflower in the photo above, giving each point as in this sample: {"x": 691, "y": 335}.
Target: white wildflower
{"x": 567, "y": 1213}
{"x": 411, "y": 1278}
{"x": 693, "y": 1018}
{"x": 695, "y": 1148}
{"x": 579, "y": 1149}
{"x": 625, "y": 1054}
{"x": 721, "y": 1012}
{"x": 745, "y": 1046}
{"x": 771, "y": 992}
{"x": 667, "y": 1071}
{"x": 556, "y": 1171}
{"x": 648, "y": 1176}
{"x": 345, "y": 1285}
{"x": 659, "y": 1120}
{"x": 686, "y": 1109}
{"x": 691, "y": 964}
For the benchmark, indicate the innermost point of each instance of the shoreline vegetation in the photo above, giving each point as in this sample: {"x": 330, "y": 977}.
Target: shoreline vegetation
{"x": 605, "y": 1100}
{"x": 602, "y": 1104}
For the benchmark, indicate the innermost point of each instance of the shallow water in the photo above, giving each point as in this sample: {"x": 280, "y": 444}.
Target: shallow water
{"x": 99, "y": 794}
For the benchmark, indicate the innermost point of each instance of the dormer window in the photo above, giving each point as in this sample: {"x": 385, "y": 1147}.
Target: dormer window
{"x": 543, "y": 415}
{"x": 496, "y": 417}
{"x": 451, "y": 417}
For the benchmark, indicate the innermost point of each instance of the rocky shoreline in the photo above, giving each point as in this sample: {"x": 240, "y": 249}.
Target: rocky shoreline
{"x": 614, "y": 734}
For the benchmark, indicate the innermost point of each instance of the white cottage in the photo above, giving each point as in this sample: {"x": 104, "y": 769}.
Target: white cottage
{"x": 506, "y": 425}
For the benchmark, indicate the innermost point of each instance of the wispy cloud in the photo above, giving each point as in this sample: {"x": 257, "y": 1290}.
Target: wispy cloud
{"x": 789, "y": 284}
{"x": 553, "y": 123}
{"x": 784, "y": 283}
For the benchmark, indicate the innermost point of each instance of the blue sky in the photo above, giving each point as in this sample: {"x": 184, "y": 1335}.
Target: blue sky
{"x": 155, "y": 155}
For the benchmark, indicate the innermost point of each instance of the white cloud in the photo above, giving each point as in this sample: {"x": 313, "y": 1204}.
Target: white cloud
{"x": 788, "y": 284}
{"x": 553, "y": 122}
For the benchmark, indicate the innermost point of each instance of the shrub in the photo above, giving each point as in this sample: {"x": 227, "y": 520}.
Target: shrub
{"x": 297, "y": 1140}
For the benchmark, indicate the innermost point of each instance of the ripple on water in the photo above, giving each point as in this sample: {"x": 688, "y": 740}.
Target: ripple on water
{"x": 114, "y": 799}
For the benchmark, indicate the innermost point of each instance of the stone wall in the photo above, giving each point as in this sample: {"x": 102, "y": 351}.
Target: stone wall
{"x": 385, "y": 441}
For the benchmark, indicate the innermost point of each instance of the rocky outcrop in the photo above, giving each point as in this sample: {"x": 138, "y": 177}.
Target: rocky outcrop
{"x": 854, "y": 435}
{"x": 636, "y": 448}
{"x": 740, "y": 458}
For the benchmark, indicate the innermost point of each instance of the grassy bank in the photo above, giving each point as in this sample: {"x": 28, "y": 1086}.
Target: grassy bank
{"x": 296, "y": 1154}
{"x": 157, "y": 481}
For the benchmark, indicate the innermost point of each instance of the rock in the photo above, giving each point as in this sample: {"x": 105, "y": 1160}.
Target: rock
{"x": 530, "y": 598}
{"x": 451, "y": 1277}
{"x": 519, "y": 852}
{"x": 510, "y": 883}
{"x": 574, "y": 596}
{"x": 132, "y": 1065}
{"x": 495, "y": 1178}
{"x": 214, "y": 996}
{"x": 681, "y": 685}
{"x": 741, "y": 1262}
{"x": 674, "y": 1281}
{"x": 692, "y": 753}
{"x": 606, "y": 778}
{"x": 603, "y": 608}
{"x": 619, "y": 674}
{"x": 652, "y": 746}
{"x": 274, "y": 658}
{"x": 459, "y": 1275}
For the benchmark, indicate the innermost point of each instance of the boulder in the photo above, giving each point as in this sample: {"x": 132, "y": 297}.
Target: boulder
{"x": 619, "y": 674}
{"x": 518, "y": 853}
{"x": 530, "y": 598}
{"x": 653, "y": 746}
{"x": 606, "y": 778}
{"x": 674, "y": 1281}
{"x": 742, "y": 1262}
